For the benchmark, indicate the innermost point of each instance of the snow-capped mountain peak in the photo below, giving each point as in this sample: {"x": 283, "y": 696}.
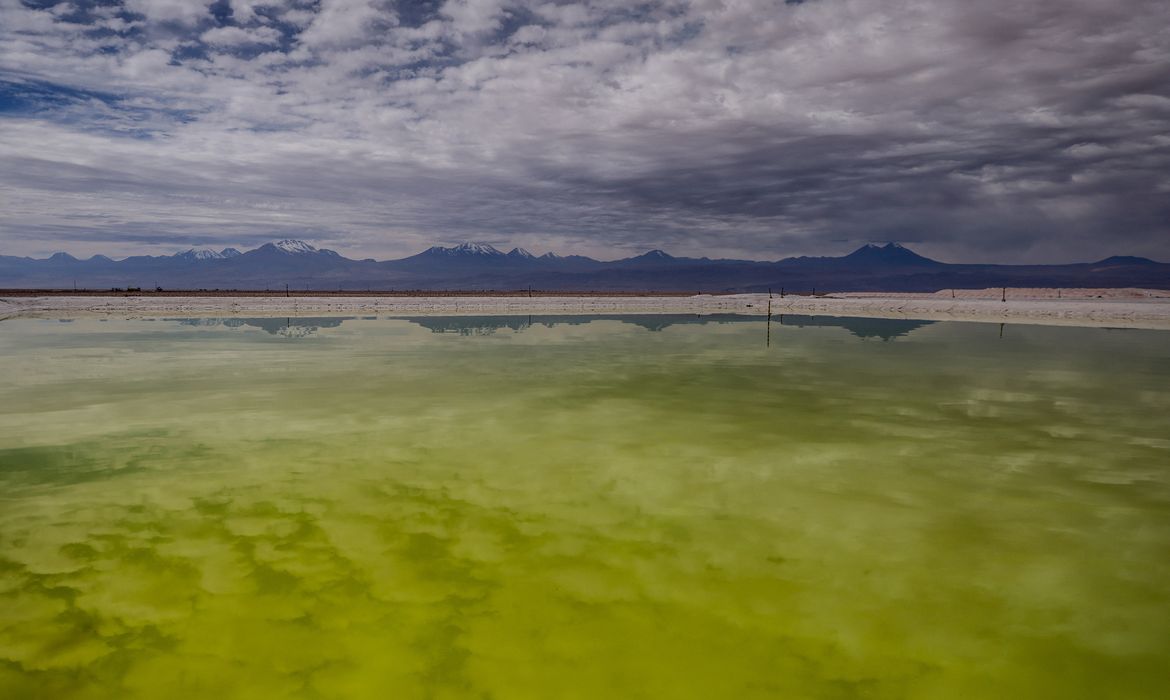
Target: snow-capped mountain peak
{"x": 293, "y": 247}
{"x": 466, "y": 250}
{"x": 888, "y": 246}
{"x": 229, "y": 253}
{"x": 888, "y": 254}
{"x": 521, "y": 253}
{"x": 476, "y": 249}
{"x": 655, "y": 255}
{"x": 198, "y": 254}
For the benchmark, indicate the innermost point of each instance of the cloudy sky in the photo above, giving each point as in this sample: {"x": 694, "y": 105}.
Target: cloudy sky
{"x": 990, "y": 131}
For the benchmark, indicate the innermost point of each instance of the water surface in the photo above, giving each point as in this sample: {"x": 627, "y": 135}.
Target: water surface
{"x": 566, "y": 507}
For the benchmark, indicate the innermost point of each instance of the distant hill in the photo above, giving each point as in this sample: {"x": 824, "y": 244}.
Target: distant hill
{"x": 470, "y": 266}
{"x": 889, "y": 255}
{"x": 1126, "y": 260}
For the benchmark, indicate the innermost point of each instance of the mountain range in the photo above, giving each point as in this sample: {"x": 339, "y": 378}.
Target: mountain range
{"x": 479, "y": 266}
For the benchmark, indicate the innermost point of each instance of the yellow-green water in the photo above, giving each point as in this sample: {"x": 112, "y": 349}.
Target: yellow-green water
{"x": 372, "y": 508}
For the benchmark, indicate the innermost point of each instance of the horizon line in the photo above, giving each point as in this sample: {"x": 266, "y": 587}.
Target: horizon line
{"x": 553, "y": 255}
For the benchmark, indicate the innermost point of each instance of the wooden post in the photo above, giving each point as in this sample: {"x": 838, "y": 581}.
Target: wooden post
{"x": 768, "y": 336}
{"x": 952, "y": 294}
{"x": 286, "y": 289}
{"x": 782, "y": 292}
{"x": 1004, "y": 297}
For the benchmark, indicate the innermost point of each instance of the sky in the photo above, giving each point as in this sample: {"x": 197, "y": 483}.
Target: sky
{"x": 992, "y": 131}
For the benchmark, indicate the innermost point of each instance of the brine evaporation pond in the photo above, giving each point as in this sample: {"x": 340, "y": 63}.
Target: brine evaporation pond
{"x": 582, "y": 507}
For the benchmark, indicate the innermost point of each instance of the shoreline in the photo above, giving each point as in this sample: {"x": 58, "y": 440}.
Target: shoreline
{"x": 1148, "y": 309}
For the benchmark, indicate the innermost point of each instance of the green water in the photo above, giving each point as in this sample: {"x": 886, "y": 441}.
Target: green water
{"x": 493, "y": 508}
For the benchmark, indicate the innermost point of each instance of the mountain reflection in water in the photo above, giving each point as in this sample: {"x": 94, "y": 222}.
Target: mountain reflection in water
{"x": 884, "y": 328}
{"x": 283, "y": 326}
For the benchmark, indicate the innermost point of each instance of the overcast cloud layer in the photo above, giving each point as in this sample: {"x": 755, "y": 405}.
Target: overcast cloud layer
{"x": 991, "y": 131}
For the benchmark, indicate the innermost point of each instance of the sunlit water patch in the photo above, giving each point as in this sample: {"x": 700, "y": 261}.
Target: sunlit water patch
{"x": 628, "y": 507}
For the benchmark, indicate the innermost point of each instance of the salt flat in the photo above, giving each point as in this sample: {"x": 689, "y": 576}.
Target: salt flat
{"x": 1128, "y": 308}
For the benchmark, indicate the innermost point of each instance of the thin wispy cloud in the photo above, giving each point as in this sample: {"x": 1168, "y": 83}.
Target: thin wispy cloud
{"x": 991, "y": 131}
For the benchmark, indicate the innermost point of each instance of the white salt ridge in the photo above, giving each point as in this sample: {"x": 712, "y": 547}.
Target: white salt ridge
{"x": 1129, "y": 308}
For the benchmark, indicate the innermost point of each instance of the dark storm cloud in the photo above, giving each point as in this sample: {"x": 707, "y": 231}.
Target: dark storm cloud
{"x": 975, "y": 131}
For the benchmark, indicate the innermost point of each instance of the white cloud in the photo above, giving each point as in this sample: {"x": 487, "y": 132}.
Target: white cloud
{"x": 235, "y": 36}
{"x": 346, "y": 22}
{"x": 148, "y": 63}
{"x": 709, "y": 127}
{"x": 180, "y": 11}
{"x": 244, "y": 11}
{"x": 473, "y": 16}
